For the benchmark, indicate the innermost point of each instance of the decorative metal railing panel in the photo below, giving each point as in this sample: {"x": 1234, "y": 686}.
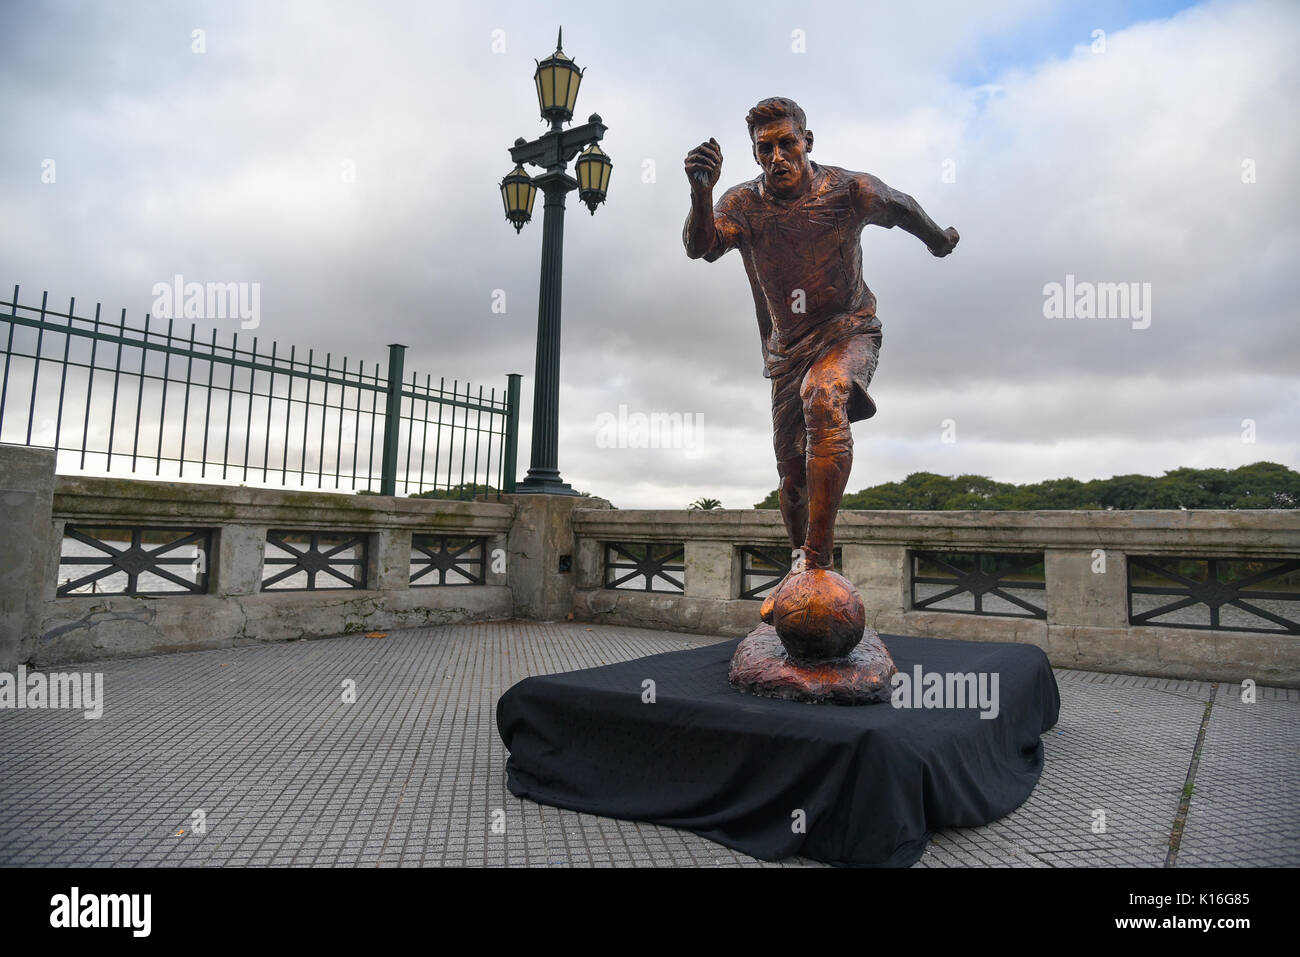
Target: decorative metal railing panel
{"x": 313, "y": 561}
{"x": 1003, "y": 584}
{"x": 762, "y": 566}
{"x": 133, "y": 560}
{"x": 447, "y": 560}
{"x": 645, "y": 566}
{"x": 1226, "y": 594}
{"x": 116, "y": 398}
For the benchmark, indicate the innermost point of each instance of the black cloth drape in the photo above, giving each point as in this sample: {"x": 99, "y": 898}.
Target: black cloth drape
{"x": 868, "y": 783}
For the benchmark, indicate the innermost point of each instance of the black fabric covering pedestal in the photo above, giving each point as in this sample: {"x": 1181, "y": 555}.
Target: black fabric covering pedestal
{"x": 873, "y": 781}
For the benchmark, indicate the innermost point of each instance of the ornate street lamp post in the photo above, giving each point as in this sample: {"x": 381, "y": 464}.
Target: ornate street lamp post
{"x": 557, "y": 79}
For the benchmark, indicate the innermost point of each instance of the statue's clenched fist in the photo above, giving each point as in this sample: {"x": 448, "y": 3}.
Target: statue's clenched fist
{"x": 704, "y": 164}
{"x": 946, "y": 244}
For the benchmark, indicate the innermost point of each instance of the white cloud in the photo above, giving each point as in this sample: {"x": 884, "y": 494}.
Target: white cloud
{"x": 1122, "y": 166}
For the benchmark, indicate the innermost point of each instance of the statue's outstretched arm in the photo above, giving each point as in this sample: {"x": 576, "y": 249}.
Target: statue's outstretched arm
{"x": 888, "y": 207}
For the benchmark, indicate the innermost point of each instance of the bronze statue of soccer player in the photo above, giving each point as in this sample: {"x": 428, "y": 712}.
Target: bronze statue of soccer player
{"x": 798, "y": 228}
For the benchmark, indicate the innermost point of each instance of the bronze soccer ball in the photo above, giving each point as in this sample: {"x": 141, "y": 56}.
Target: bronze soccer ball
{"x": 819, "y": 615}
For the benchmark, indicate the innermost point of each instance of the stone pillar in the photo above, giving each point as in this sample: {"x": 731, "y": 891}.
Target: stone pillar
{"x": 237, "y": 565}
{"x": 389, "y": 561}
{"x": 541, "y": 554}
{"x": 880, "y": 574}
{"x": 1087, "y": 587}
{"x": 496, "y": 568}
{"x": 26, "y": 538}
{"x": 589, "y": 563}
{"x": 711, "y": 570}
{"x": 53, "y": 560}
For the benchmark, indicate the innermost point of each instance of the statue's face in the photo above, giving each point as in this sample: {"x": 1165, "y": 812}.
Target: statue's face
{"x": 781, "y": 148}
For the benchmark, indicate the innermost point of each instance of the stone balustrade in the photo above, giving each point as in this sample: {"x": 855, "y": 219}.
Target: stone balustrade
{"x": 544, "y": 557}
{"x": 43, "y": 628}
{"x": 1084, "y": 569}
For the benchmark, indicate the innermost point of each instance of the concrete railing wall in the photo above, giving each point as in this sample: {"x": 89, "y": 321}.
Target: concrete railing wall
{"x": 41, "y": 629}
{"x": 1087, "y": 624}
{"x": 554, "y": 568}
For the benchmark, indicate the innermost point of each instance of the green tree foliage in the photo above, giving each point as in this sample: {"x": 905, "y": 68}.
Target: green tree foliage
{"x": 1261, "y": 485}
{"x": 465, "y": 490}
{"x": 705, "y": 504}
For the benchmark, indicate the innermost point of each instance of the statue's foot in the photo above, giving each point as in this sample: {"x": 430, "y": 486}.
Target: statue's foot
{"x": 768, "y": 608}
{"x": 813, "y": 559}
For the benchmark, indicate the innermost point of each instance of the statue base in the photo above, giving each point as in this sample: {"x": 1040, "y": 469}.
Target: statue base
{"x": 762, "y": 666}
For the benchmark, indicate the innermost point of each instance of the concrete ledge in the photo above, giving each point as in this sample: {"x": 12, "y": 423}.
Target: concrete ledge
{"x": 115, "y": 501}
{"x": 705, "y": 616}
{"x": 1180, "y": 653}
{"x": 80, "y": 628}
{"x": 1232, "y": 531}
{"x": 1085, "y": 557}
{"x": 87, "y": 629}
{"x": 1167, "y": 652}
{"x": 545, "y": 561}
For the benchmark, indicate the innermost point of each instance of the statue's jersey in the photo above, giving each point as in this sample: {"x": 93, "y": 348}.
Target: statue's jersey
{"x": 804, "y": 258}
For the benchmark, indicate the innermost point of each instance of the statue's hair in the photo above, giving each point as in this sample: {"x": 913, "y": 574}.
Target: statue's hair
{"x": 775, "y": 108}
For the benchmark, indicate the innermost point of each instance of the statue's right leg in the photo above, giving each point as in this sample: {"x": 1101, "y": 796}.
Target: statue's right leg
{"x": 789, "y": 434}
{"x": 794, "y": 498}
{"x": 789, "y": 437}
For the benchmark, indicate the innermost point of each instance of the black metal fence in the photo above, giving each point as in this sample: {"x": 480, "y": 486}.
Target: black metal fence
{"x": 645, "y": 566}
{"x": 1221, "y": 593}
{"x": 121, "y": 397}
{"x": 1008, "y": 585}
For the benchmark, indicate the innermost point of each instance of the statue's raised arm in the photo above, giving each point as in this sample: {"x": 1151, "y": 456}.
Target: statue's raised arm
{"x": 707, "y": 235}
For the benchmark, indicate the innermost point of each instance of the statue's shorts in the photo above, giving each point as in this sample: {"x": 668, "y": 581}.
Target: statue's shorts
{"x": 815, "y": 399}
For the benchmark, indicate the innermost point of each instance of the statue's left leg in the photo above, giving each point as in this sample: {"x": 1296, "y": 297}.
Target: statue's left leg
{"x": 826, "y": 390}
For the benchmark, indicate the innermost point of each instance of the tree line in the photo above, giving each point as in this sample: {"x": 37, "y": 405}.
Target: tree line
{"x": 1261, "y": 485}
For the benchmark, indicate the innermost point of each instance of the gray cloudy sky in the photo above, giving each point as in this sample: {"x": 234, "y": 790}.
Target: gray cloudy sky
{"x": 1117, "y": 165}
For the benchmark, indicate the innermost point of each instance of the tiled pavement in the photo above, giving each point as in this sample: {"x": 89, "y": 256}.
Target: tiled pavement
{"x": 286, "y": 772}
{"x": 1243, "y": 810}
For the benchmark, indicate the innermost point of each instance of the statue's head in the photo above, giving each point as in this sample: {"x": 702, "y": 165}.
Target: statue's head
{"x": 781, "y": 142}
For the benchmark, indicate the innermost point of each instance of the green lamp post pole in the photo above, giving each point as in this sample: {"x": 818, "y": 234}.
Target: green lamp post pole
{"x": 557, "y": 79}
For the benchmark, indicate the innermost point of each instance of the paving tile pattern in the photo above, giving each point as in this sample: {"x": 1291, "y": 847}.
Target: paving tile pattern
{"x": 1244, "y": 810}
{"x": 288, "y": 772}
